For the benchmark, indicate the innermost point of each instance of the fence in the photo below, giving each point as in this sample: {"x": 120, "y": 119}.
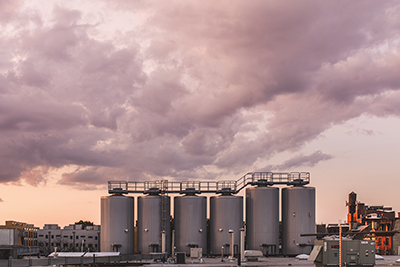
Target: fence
{"x": 133, "y": 260}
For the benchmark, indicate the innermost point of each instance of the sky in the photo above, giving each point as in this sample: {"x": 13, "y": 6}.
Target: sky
{"x": 96, "y": 91}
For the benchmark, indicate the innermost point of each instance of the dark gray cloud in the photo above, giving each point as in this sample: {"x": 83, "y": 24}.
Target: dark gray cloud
{"x": 192, "y": 90}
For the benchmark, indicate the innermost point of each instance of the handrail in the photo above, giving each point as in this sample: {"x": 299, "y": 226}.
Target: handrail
{"x": 250, "y": 178}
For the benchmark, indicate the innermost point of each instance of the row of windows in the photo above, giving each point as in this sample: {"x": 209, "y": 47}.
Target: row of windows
{"x": 30, "y": 234}
{"x": 29, "y": 229}
{"x": 70, "y": 237}
{"x": 66, "y": 245}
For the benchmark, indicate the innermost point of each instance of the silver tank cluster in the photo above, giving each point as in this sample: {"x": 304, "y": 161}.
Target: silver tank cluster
{"x": 298, "y": 217}
{"x": 225, "y": 222}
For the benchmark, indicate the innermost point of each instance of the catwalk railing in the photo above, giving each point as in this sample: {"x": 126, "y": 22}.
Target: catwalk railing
{"x": 234, "y": 187}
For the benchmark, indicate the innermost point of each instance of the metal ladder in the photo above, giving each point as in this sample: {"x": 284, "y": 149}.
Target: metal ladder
{"x": 165, "y": 217}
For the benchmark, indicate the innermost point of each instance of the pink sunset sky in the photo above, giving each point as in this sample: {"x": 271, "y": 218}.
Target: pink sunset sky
{"x": 93, "y": 91}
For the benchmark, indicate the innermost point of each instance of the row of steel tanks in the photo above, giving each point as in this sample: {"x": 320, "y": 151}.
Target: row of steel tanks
{"x": 153, "y": 223}
{"x": 226, "y": 217}
{"x": 262, "y": 219}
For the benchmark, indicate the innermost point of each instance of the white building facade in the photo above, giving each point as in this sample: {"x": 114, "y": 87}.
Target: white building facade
{"x": 71, "y": 238}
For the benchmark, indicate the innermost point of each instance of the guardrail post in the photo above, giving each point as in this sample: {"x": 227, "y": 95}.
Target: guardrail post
{"x": 9, "y": 261}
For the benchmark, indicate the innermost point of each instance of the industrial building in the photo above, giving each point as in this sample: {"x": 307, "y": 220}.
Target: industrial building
{"x": 220, "y": 233}
{"x": 73, "y": 237}
{"x": 18, "y": 239}
{"x": 379, "y": 222}
{"x": 369, "y": 223}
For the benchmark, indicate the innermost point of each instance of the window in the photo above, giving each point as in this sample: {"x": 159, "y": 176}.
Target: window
{"x": 40, "y": 235}
{"x": 48, "y": 237}
{"x": 77, "y": 237}
{"x": 52, "y": 236}
{"x": 70, "y": 237}
{"x": 95, "y": 238}
{"x": 90, "y": 236}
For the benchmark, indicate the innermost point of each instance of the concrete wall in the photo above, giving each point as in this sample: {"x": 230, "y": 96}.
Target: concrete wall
{"x": 9, "y": 237}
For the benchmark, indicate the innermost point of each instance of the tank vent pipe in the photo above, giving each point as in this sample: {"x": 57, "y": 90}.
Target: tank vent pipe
{"x": 231, "y": 245}
{"x": 241, "y": 245}
{"x": 163, "y": 241}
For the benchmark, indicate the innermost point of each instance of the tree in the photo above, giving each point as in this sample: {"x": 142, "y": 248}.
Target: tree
{"x": 84, "y": 223}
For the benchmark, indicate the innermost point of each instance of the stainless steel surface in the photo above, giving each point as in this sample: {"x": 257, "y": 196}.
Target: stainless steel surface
{"x": 262, "y": 219}
{"x": 149, "y": 223}
{"x": 117, "y": 224}
{"x": 190, "y": 221}
{"x": 298, "y": 217}
{"x": 226, "y": 213}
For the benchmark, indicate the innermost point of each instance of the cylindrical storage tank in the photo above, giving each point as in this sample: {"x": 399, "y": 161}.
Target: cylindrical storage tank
{"x": 262, "y": 219}
{"x": 190, "y": 222}
{"x": 226, "y": 213}
{"x": 117, "y": 224}
{"x": 152, "y": 218}
{"x": 298, "y": 217}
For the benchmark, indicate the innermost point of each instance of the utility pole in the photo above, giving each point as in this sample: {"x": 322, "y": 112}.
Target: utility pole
{"x": 340, "y": 244}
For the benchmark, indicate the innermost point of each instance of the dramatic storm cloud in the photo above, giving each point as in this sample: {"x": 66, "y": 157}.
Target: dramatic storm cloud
{"x": 131, "y": 90}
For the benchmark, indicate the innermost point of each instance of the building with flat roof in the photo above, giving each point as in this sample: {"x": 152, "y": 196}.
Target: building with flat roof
{"x": 71, "y": 238}
{"x": 18, "y": 239}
